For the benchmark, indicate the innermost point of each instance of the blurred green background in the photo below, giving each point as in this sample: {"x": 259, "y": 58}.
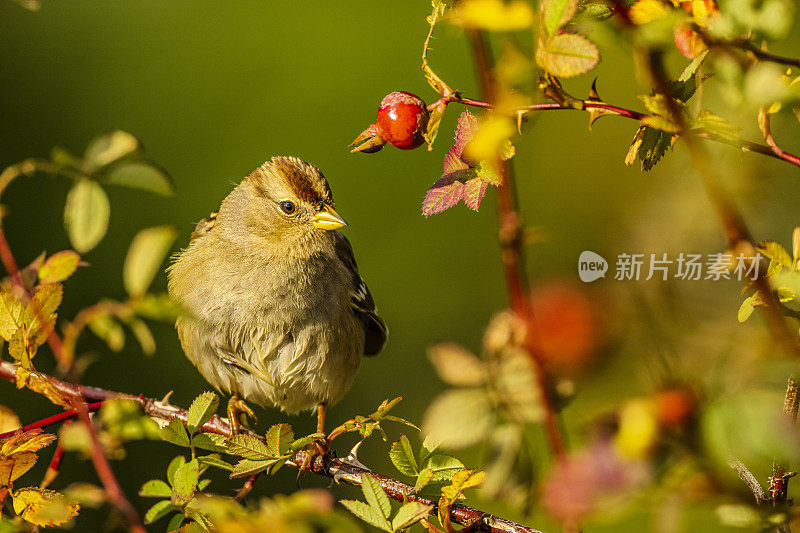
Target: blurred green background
{"x": 213, "y": 89}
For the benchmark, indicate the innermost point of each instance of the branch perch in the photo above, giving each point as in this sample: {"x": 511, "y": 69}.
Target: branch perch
{"x": 162, "y": 412}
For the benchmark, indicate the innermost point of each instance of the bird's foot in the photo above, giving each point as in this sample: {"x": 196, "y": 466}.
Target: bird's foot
{"x": 314, "y": 449}
{"x": 238, "y": 411}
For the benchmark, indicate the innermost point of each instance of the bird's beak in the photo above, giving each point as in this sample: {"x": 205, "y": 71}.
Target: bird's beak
{"x": 328, "y": 219}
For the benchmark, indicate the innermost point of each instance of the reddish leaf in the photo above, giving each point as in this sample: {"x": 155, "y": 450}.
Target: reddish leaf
{"x": 474, "y": 190}
{"x": 439, "y": 199}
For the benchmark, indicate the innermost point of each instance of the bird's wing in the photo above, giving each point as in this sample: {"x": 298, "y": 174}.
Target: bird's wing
{"x": 204, "y": 226}
{"x": 361, "y": 301}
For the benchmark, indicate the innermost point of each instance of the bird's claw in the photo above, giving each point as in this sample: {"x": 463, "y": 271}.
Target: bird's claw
{"x": 317, "y": 448}
{"x": 237, "y": 408}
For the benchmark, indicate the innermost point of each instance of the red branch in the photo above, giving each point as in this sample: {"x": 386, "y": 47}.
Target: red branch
{"x": 511, "y": 242}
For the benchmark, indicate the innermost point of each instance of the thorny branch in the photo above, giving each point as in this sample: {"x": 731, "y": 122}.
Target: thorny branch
{"x": 340, "y": 470}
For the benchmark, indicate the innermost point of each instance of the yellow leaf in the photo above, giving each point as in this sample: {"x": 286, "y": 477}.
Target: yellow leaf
{"x": 9, "y": 421}
{"x": 59, "y": 266}
{"x": 492, "y": 135}
{"x": 645, "y": 11}
{"x": 10, "y": 310}
{"x": 13, "y": 467}
{"x": 494, "y": 15}
{"x": 30, "y": 441}
{"x": 44, "y": 507}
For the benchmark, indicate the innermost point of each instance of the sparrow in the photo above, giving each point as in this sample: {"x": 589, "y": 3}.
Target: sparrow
{"x": 277, "y": 312}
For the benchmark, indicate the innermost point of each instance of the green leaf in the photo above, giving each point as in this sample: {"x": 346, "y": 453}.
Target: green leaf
{"x": 59, "y": 266}
{"x": 399, "y": 420}
{"x": 410, "y": 513}
{"x": 215, "y": 460}
{"x": 375, "y": 495}
{"x": 175, "y": 433}
{"x": 248, "y": 467}
{"x": 385, "y": 407}
{"x": 11, "y": 310}
{"x": 86, "y": 214}
{"x": 173, "y": 467}
{"x": 109, "y": 330}
{"x": 202, "y": 409}
{"x": 567, "y": 55}
{"x": 367, "y": 514}
{"x": 185, "y": 483}
{"x": 460, "y": 418}
{"x": 205, "y": 442}
{"x": 109, "y": 147}
{"x": 155, "y": 488}
{"x": 143, "y": 335}
{"x": 142, "y": 175}
{"x": 738, "y": 515}
{"x": 279, "y": 439}
{"x": 145, "y": 255}
{"x": 429, "y": 445}
{"x": 716, "y": 125}
{"x": 556, "y": 13}
{"x": 174, "y": 523}
{"x": 443, "y": 466}
{"x": 402, "y": 457}
{"x": 157, "y": 307}
{"x": 159, "y": 510}
{"x": 248, "y": 447}
{"x": 425, "y": 477}
{"x": 305, "y": 441}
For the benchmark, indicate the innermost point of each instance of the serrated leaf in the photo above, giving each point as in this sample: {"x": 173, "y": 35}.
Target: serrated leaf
{"x": 461, "y": 481}
{"x": 44, "y": 507}
{"x": 302, "y": 442}
{"x": 716, "y": 125}
{"x": 155, "y": 488}
{"x": 175, "y": 433}
{"x": 442, "y": 198}
{"x": 566, "y": 55}
{"x": 174, "y": 523}
{"x": 434, "y": 121}
{"x": 16, "y": 465}
{"x": 59, "y": 266}
{"x": 202, "y": 409}
{"x": 429, "y": 445}
{"x": 279, "y": 439}
{"x": 425, "y": 476}
{"x": 443, "y": 466}
{"x": 385, "y": 407}
{"x": 145, "y": 255}
{"x": 248, "y": 447}
{"x": 366, "y": 513}
{"x": 402, "y": 457}
{"x": 248, "y": 467}
{"x": 86, "y": 215}
{"x": 375, "y": 495}
{"x": 494, "y": 15}
{"x": 660, "y": 123}
{"x": 775, "y": 251}
{"x": 143, "y": 175}
{"x": 205, "y": 442}
{"x": 410, "y": 513}
{"x": 109, "y": 147}
{"x": 185, "y": 483}
{"x": 214, "y": 460}
{"x": 557, "y": 13}
{"x": 459, "y": 418}
{"x": 159, "y": 510}
{"x": 32, "y": 440}
{"x": 457, "y": 366}
{"x": 109, "y": 330}
{"x": 173, "y": 466}
{"x": 11, "y": 310}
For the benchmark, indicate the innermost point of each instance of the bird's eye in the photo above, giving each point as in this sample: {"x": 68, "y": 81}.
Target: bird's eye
{"x": 288, "y": 207}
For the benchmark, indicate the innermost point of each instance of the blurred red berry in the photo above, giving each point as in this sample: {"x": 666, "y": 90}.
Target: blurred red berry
{"x": 674, "y": 407}
{"x": 567, "y": 330}
{"x": 403, "y": 119}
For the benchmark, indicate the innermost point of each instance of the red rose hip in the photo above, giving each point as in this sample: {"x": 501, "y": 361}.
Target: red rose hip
{"x": 403, "y": 120}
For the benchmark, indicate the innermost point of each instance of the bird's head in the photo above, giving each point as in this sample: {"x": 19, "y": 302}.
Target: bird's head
{"x": 287, "y": 200}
